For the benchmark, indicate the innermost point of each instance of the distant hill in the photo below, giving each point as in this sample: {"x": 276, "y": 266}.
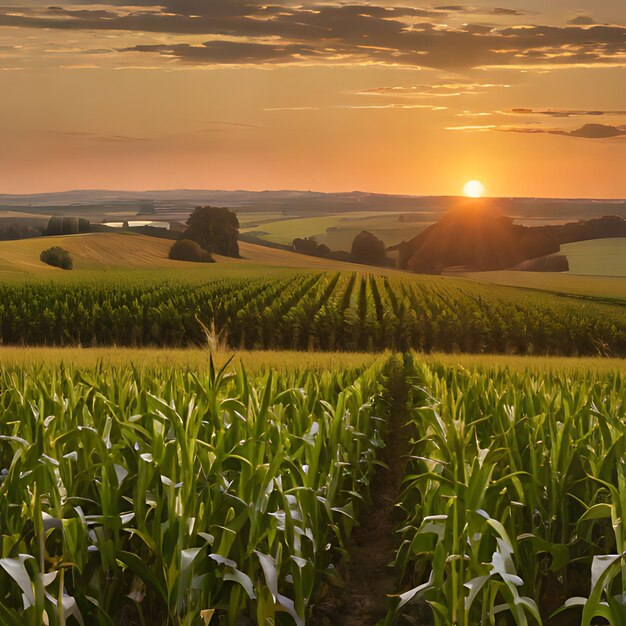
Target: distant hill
{"x": 93, "y": 202}
{"x": 476, "y": 238}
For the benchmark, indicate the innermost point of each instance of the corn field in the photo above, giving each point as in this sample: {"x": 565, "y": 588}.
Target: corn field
{"x": 164, "y": 496}
{"x": 328, "y": 312}
{"x": 169, "y": 497}
{"x": 514, "y": 499}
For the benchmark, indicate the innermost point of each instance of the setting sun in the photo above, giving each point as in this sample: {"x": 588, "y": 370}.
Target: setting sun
{"x": 474, "y": 189}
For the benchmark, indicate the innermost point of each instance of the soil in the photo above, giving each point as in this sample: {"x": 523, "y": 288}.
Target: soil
{"x": 370, "y": 577}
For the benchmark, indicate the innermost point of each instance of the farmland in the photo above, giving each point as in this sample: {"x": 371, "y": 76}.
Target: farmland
{"x": 131, "y": 253}
{"x": 168, "y": 496}
{"x": 595, "y": 287}
{"x": 469, "y": 434}
{"x": 338, "y": 231}
{"x": 605, "y": 257}
{"x": 513, "y": 497}
{"x": 171, "y": 494}
{"x": 332, "y": 311}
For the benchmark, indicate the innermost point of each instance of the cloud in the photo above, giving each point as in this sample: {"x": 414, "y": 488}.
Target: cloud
{"x": 550, "y": 113}
{"x": 225, "y": 32}
{"x": 563, "y": 112}
{"x": 594, "y": 131}
{"x": 582, "y": 20}
{"x": 395, "y": 105}
{"x": 588, "y": 131}
{"x": 437, "y": 90}
{"x": 501, "y": 11}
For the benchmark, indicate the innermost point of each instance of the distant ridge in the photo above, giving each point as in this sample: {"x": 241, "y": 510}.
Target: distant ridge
{"x": 294, "y": 202}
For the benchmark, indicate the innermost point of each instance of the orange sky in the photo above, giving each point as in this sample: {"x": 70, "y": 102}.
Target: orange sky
{"x": 385, "y": 96}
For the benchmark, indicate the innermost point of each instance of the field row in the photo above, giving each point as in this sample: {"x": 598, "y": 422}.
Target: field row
{"x": 167, "y": 496}
{"x": 513, "y": 499}
{"x": 170, "y": 497}
{"x": 333, "y": 311}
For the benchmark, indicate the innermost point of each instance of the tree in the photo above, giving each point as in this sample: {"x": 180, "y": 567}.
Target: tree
{"x": 309, "y": 245}
{"x": 215, "y": 229}
{"x": 187, "y": 250}
{"x": 59, "y": 225}
{"x": 306, "y": 245}
{"x": 368, "y": 249}
{"x": 57, "y": 257}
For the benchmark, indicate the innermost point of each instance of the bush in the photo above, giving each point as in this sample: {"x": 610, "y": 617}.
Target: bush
{"x": 187, "y": 250}
{"x": 57, "y": 257}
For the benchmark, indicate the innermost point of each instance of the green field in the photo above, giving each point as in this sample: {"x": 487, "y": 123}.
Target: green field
{"x": 165, "y": 462}
{"x": 338, "y": 231}
{"x": 599, "y": 257}
{"x": 598, "y": 287}
{"x": 141, "y": 490}
{"x": 326, "y": 311}
{"x": 513, "y": 498}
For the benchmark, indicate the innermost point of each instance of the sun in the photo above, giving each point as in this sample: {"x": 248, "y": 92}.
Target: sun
{"x": 474, "y": 189}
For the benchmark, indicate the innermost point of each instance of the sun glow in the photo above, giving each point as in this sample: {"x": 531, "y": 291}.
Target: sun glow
{"x": 474, "y": 189}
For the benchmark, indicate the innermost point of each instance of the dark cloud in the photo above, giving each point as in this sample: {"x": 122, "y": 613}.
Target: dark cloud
{"x": 582, "y": 20}
{"x": 564, "y": 112}
{"x": 594, "y": 131}
{"x": 227, "y": 52}
{"x": 588, "y": 131}
{"x": 238, "y": 32}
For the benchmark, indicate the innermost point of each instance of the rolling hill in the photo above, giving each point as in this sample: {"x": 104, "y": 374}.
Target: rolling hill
{"x": 120, "y": 251}
{"x": 478, "y": 238}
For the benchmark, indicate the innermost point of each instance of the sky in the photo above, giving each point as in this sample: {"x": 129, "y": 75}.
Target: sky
{"x": 387, "y": 96}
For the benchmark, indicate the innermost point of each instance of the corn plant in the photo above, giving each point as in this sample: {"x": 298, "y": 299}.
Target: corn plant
{"x": 513, "y": 498}
{"x": 171, "y": 497}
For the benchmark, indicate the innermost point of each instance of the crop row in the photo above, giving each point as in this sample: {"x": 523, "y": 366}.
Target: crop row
{"x": 340, "y": 311}
{"x": 513, "y": 501}
{"x": 165, "y": 496}
{"x": 169, "y": 497}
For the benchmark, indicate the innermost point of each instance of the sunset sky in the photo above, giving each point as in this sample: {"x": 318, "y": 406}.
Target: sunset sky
{"x": 393, "y": 96}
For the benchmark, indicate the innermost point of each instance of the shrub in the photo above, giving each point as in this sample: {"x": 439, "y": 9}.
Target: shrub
{"x": 57, "y": 257}
{"x": 187, "y": 250}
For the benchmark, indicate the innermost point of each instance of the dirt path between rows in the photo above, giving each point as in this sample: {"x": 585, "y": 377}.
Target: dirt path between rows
{"x": 370, "y": 578}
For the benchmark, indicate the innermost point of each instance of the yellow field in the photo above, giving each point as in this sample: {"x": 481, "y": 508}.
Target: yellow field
{"x": 538, "y": 364}
{"x": 194, "y": 358}
{"x": 261, "y": 360}
{"x": 116, "y": 251}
